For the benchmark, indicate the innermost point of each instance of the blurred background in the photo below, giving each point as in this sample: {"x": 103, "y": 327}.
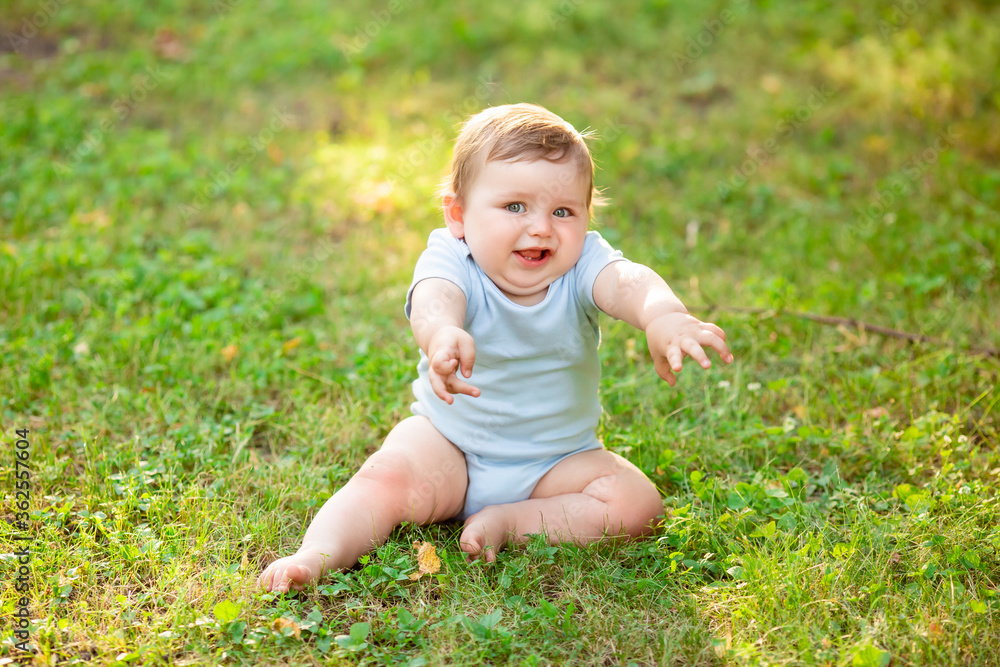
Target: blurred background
{"x": 210, "y": 212}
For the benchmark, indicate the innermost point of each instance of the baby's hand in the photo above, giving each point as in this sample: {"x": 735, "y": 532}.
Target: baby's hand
{"x": 451, "y": 348}
{"x": 672, "y": 336}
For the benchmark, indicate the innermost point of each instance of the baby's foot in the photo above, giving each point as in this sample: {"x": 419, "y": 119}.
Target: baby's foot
{"x": 486, "y": 532}
{"x": 293, "y": 572}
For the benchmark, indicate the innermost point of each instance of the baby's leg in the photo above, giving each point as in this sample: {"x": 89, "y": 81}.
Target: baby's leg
{"x": 584, "y": 498}
{"x": 417, "y": 475}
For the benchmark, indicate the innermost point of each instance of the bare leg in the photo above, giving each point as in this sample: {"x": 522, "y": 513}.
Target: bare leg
{"x": 417, "y": 475}
{"x": 584, "y": 498}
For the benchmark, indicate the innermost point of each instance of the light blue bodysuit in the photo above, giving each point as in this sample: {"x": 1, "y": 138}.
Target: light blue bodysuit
{"x": 536, "y": 367}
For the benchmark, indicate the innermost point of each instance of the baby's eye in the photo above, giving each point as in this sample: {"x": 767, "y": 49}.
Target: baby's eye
{"x": 516, "y": 207}
{"x": 562, "y": 213}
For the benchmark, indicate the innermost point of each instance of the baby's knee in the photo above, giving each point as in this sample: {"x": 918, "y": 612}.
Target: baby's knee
{"x": 649, "y": 508}
{"x": 415, "y": 492}
{"x": 636, "y": 508}
{"x": 391, "y": 475}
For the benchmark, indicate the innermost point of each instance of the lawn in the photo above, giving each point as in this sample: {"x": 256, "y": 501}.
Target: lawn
{"x": 209, "y": 216}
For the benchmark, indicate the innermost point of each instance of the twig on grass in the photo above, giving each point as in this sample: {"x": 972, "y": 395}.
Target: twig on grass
{"x": 852, "y": 322}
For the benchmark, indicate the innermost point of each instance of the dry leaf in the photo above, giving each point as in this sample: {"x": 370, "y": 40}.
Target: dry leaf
{"x": 427, "y": 560}
{"x": 275, "y": 153}
{"x": 98, "y": 218}
{"x": 229, "y": 352}
{"x": 374, "y": 196}
{"x": 630, "y": 353}
{"x": 691, "y": 233}
{"x": 167, "y": 45}
{"x": 282, "y": 623}
{"x": 771, "y": 84}
{"x": 875, "y": 143}
{"x": 291, "y": 344}
{"x": 877, "y": 413}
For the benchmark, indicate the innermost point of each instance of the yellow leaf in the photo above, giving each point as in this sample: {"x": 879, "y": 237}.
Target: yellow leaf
{"x": 98, "y": 218}
{"x": 771, "y": 84}
{"x": 427, "y": 559}
{"x": 374, "y": 196}
{"x": 275, "y": 153}
{"x": 167, "y": 45}
{"x": 291, "y": 344}
{"x": 282, "y": 623}
{"x": 229, "y": 352}
{"x": 875, "y": 143}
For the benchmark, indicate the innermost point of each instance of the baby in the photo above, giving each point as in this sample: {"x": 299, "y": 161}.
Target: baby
{"x": 504, "y": 306}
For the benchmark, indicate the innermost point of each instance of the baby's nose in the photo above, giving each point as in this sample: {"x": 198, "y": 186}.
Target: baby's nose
{"x": 539, "y": 224}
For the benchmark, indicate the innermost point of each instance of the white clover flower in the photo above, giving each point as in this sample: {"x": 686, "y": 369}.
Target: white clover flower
{"x": 723, "y": 384}
{"x": 753, "y": 386}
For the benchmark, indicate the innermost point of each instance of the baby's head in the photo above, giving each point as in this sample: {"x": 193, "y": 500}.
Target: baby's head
{"x": 520, "y": 194}
{"x": 515, "y": 132}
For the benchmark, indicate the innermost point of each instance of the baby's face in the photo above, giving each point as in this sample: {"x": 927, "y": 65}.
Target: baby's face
{"x": 525, "y": 224}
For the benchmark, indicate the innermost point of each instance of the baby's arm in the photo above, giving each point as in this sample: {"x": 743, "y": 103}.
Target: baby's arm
{"x": 437, "y": 314}
{"x": 636, "y": 294}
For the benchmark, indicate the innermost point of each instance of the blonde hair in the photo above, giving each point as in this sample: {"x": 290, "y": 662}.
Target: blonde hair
{"x": 516, "y": 132}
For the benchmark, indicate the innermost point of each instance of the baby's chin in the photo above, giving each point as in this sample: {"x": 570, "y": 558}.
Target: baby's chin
{"x": 524, "y": 295}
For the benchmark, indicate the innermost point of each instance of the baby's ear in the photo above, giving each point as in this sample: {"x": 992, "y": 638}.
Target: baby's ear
{"x": 453, "y": 215}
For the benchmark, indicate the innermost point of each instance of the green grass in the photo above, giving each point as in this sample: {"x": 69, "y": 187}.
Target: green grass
{"x": 209, "y": 217}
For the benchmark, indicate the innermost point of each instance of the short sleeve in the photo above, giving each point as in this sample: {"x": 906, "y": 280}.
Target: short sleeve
{"x": 597, "y": 254}
{"x": 445, "y": 257}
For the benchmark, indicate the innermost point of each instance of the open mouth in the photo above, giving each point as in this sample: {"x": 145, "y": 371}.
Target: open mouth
{"x": 534, "y": 255}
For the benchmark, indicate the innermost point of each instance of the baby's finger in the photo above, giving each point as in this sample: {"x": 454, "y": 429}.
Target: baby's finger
{"x": 662, "y": 366}
{"x": 444, "y": 362}
{"x": 467, "y": 355}
{"x": 457, "y": 385}
{"x": 694, "y": 350}
{"x": 675, "y": 358}
{"x": 719, "y": 345}
{"x": 439, "y": 387}
{"x": 715, "y": 329}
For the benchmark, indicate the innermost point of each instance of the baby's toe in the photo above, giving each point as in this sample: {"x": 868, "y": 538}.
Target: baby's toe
{"x": 476, "y": 543}
{"x": 472, "y": 541}
{"x": 274, "y": 578}
{"x": 297, "y": 576}
{"x": 266, "y": 577}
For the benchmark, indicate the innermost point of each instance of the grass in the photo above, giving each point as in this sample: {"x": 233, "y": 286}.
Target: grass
{"x": 210, "y": 214}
